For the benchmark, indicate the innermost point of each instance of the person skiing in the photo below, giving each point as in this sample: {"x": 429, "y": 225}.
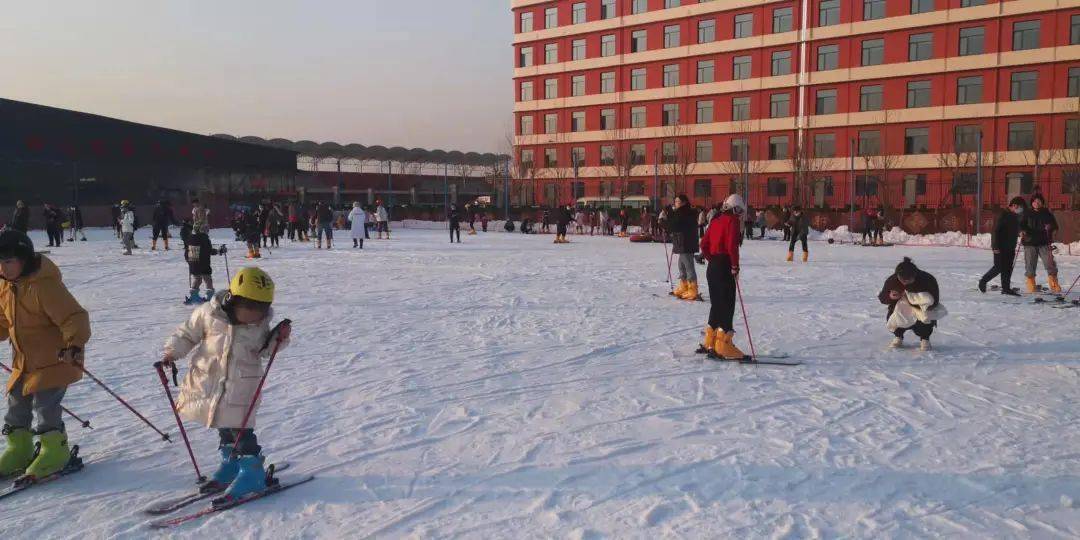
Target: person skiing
{"x": 483, "y": 219}
{"x": 197, "y": 253}
{"x": 75, "y": 215}
{"x": 720, "y": 247}
{"x": 382, "y": 219}
{"x": 684, "y": 244}
{"x": 579, "y": 221}
{"x": 230, "y": 337}
{"x": 1037, "y": 228}
{"x": 914, "y": 302}
{"x": 252, "y": 233}
{"x": 292, "y": 220}
{"x": 1003, "y": 242}
{"x": 869, "y": 219}
{"x": 748, "y": 223}
{"x": 116, "y": 215}
{"x": 624, "y": 222}
{"x": 761, "y": 223}
{"x": 357, "y": 224}
{"x": 324, "y": 218}
{"x": 303, "y": 218}
{"x": 20, "y": 219}
{"x": 264, "y": 222}
{"x": 799, "y": 227}
{"x": 470, "y": 215}
{"x": 200, "y": 217}
{"x": 275, "y": 225}
{"x": 785, "y": 222}
{"x": 563, "y": 217}
{"x": 53, "y": 228}
{"x": 879, "y": 227}
{"x": 454, "y": 218}
{"x": 127, "y": 226}
{"x": 163, "y": 217}
{"x": 48, "y": 330}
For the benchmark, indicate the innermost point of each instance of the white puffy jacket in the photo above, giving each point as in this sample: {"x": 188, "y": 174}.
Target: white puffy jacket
{"x": 127, "y": 222}
{"x": 225, "y": 368}
{"x": 915, "y": 307}
{"x": 358, "y": 218}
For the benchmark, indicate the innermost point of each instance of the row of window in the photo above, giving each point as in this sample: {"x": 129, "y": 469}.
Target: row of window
{"x": 1022, "y": 136}
{"x": 579, "y": 12}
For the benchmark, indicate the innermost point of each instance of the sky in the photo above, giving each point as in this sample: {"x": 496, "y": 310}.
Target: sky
{"x": 434, "y": 74}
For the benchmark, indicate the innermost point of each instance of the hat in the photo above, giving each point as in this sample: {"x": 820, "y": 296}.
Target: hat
{"x": 16, "y": 244}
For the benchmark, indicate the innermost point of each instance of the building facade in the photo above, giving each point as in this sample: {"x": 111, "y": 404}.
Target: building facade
{"x": 825, "y": 103}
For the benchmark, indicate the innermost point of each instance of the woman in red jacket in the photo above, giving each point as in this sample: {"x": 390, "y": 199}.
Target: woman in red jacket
{"x": 720, "y": 246}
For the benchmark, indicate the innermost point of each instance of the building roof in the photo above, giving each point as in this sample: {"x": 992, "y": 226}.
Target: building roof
{"x": 377, "y": 153}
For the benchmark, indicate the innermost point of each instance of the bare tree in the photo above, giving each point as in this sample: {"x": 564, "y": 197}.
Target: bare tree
{"x": 1040, "y": 154}
{"x": 622, "y": 160}
{"x": 678, "y": 157}
{"x": 1068, "y": 156}
{"x": 744, "y": 164}
{"x": 807, "y": 170}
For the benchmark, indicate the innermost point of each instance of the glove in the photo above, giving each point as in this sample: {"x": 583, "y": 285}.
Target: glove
{"x": 71, "y": 355}
{"x": 222, "y": 250}
{"x": 699, "y": 258}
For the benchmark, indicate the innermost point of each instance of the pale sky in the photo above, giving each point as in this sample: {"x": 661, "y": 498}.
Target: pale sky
{"x": 413, "y": 73}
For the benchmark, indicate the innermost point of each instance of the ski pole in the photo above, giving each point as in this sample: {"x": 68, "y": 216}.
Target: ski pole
{"x": 749, "y": 337}
{"x": 84, "y": 423}
{"x": 225, "y": 254}
{"x": 1066, "y": 295}
{"x": 164, "y": 436}
{"x": 160, "y": 367}
{"x": 262, "y": 381}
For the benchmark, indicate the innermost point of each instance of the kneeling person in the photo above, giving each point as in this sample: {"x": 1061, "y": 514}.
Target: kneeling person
{"x": 914, "y": 302}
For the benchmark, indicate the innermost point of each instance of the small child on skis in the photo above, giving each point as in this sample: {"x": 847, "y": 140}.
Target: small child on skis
{"x": 231, "y": 337}
{"x": 48, "y": 331}
{"x": 197, "y": 253}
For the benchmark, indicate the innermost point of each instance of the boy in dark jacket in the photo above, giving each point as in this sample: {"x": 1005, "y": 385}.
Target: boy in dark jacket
{"x": 799, "y": 226}
{"x": 1003, "y": 242}
{"x": 197, "y": 252}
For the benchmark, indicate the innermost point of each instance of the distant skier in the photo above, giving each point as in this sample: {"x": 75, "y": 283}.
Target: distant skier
{"x": 197, "y": 253}
{"x": 382, "y": 220}
{"x": 799, "y": 226}
{"x": 75, "y": 215}
{"x": 869, "y": 220}
{"x": 252, "y": 233}
{"x": 563, "y": 217}
{"x": 761, "y": 223}
{"x": 163, "y": 217}
{"x": 20, "y": 219}
{"x": 275, "y": 224}
{"x": 48, "y": 330}
{"x": 127, "y": 226}
{"x": 579, "y": 221}
{"x": 748, "y": 222}
{"x": 720, "y": 246}
{"x": 682, "y": 224}
{"x": 702, "y": 221}
{"x": 483, "y": 219}
{"x": 453, "y": 217}
{"x": 53, "y": 225}
{"x": 785, "y": 219}
{"x": 470, "y": 214}
{"x": 358, "y": 221}
{"x": 914, "y": 302}
{"x": 545, "y": 221}
{"x": 624, "y": 222}
{"x": 1003, "y": 243}
{"x": 116, "y": 213}
{"x": 231, "y": 337}
{"x": 325, "y": 217}
{"x": 1037, "y": 228}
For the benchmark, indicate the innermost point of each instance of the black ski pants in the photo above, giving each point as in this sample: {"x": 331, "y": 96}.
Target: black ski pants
{"x": 1003, "y": 266}
{"x": 455, "y": 229}
{"x": 921, "y": 329}
{"x": 722, "y": 293}
{"x": 800, "y": 238}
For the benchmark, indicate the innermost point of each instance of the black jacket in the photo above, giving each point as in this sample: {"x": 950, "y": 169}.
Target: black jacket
{"x": 324, "y": 215}
{"x": 163, "y": 216}
{"x": 53, "y": 217}
{"x": 454, "y": 217}
{"x": 564, "y": 217}
{"x": 924, "y": 282}
{"x": 800, "y": 224}
{"x": 20, "y": 221}
{"x": 198, "y": 254}
{"x": 1038, "y": 227}
{"x": 1006, "y": 232}
{"x": 684, "y": 230}
{"x": 76, "y": 217}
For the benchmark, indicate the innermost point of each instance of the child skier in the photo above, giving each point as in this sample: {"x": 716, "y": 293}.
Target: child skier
{"x": 48, "y": 331}
{"x": 914, "y": 302}
{"x": 230, "y": 337}
{"x": 197, "y": 253}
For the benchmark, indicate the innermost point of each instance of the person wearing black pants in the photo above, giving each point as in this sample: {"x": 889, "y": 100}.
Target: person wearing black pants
{"x": 800, "y": 230}
{"x": 1003, "y": 242}
{"x": 907, "y": 291}
{"x": 720, "y": 246}
{"x": 454, "y": 217}
{"x": 563, "y": 218}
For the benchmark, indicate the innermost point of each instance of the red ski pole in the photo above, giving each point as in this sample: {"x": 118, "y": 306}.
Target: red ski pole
{"x": 160, "y": 367}
{"x": 84, "y": 423}
{"x": 749, "y": 337}
{"x": 262, "y": 381}
{"x": 164, "y": 436}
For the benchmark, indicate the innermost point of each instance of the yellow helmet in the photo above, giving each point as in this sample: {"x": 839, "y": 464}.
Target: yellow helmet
{"x": 253, "y": 284}
{"x": 125, "y": 202}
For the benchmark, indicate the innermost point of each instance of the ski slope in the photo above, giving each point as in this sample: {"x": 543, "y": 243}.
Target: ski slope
{"x": 512, "y": 388}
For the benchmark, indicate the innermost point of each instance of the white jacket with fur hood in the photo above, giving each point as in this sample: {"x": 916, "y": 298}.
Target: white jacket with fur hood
{"x": 226, "y": 365}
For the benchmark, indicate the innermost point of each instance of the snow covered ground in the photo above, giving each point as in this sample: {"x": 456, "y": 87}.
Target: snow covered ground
{"x": 512, "y": 388}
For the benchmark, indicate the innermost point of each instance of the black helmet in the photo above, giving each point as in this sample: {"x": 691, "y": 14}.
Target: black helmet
{"x": 16, "y": 244}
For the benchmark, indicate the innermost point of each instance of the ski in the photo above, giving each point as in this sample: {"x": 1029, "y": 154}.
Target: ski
{"x": 277, "y": 488}
{"x": 698, "y": 299}
{"x": 74, "y": 465}
{"x": 169, "y": 506}
{"x": 767, "y": 361}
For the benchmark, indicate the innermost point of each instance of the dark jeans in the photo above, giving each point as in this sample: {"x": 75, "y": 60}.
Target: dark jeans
{"x": 455, "y": 229}
{"x": 721, "y": 293}
{"x": 249, "y": 444}
{"x": 560, "y": 229}
{"x": 1003, "y": 265}
{"x": 921, "y": 329}
{"x": 748, "y": 230}
{"x": 762, "y": 232}
{"x": 787, "y": 233}
{"x": 801, "y": 238}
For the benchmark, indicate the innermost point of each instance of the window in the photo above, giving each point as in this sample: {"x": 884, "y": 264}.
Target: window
{"x": 1021, "y": 135}
{"x": 916, "y": 141}
{"x": 706, "y": 31}
{"x": 551, "y": 53}
{"x": 828, "y": 12}
{"x": 671, "y": 3}
{"x": 527, "y": 158}
{"x": 919, "y": 180}
{"x": 869, "y": 143}
{"x": 921, "y": 6}
{"x": 639, "y": 6}
{"x": 637, "y": 117}
{"x": 607, "y": 82}
{"x": 703, "y": 188}
{"x": 671, "y": 114}
{"x": 1022, "y": 179}
{"x": 828, "y": 57}
{"x": 1025, "y": 35}
{"x": 779, "y": 105}
{"x": 744, "y": 25}
{"x": 740, "y": 68}
{"x": 551, "y": 88}
{"x": 637, "y": 154}
{"x": 703, "y": 151}
{"x": 668, "y": 152}
{"x": 578, "y": 13}
{"x": 526, "y": 125}
{"x": 972, "y": 41}
{"x": 966, "y": 139}
{"x": 1074, "y": 30}
{"x": 873, "y": 52}
{"x": 873, "y": 9}
{"x": 607, "y": 45}
{"x": 781, "y": 63}
{"x": 704, "y": 112}
{"x": 870, "y": 98}
{"x": 866, "y": 186}
{"x": 607, "y": 119}
{"x": 578, "y": 121}
{"x": 607, "y": 155}
{"x": 577, "y": 49}
{"x": 740, "y": 109}
{"x": 920, "y": 47}
{"x": 635, "y": 187}
{"x": 918, "y": 94}
{"x": 607, "y": 9}
{"x": 782, "y": 20}
{"x": 1024, "y": 85}
{"x": 577, "y": 85}
{"x": 969, "y": 90}
{"x": 970, "y": 3}
{"x": 825, "y": 101}
{"x": 1074, "y": 82}
{"x": 671, "y": 36}
{"x": 551, "y": 158}
{"x": 824, "y": 145}
{"x": 740, "y": 149}
{"x": 577, "y": 156}
{"x": 706, "y": 71}
{"x": 639, "y": 41}
{"x": 551, "y": 124}
{"x": 527, "y": 91}
{"x": 525, "y": 57}
{"x": 551, "y": 17}
{"x": 526, "y": 24}
{"x": 1072, "y": 133}
{"x": 778, "y": 147}
{"x": 776, "y": 187}
{"x": 671, "y": 75}
{"x": 637, "y": 79}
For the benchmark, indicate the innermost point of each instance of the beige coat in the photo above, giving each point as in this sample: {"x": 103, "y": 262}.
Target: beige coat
{"x": 226, "y": 365}
{"x": 915, "y": 307}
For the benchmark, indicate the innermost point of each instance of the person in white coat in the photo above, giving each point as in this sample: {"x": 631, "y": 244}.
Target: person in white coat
{"x": 229, "y": 338}
{"x": 382, "y": 221}
{"x": 127, "y": 226}
{"x": 358, "y": 218}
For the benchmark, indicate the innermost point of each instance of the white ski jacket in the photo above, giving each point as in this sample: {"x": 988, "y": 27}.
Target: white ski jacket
{"x": 380, "y": 214}
{"x": 358, "y": 217}
{"x": 225, "y": 368}
{"x": 915, "y": 307}
{"x": 127, "y": 222}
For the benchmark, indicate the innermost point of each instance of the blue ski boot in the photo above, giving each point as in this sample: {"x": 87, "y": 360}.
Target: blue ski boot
{"x": 250, "y": 480}
{"x": 225, "y": 473}
{"x": 209, "y": 295}
{"x": 193, "y": 298}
